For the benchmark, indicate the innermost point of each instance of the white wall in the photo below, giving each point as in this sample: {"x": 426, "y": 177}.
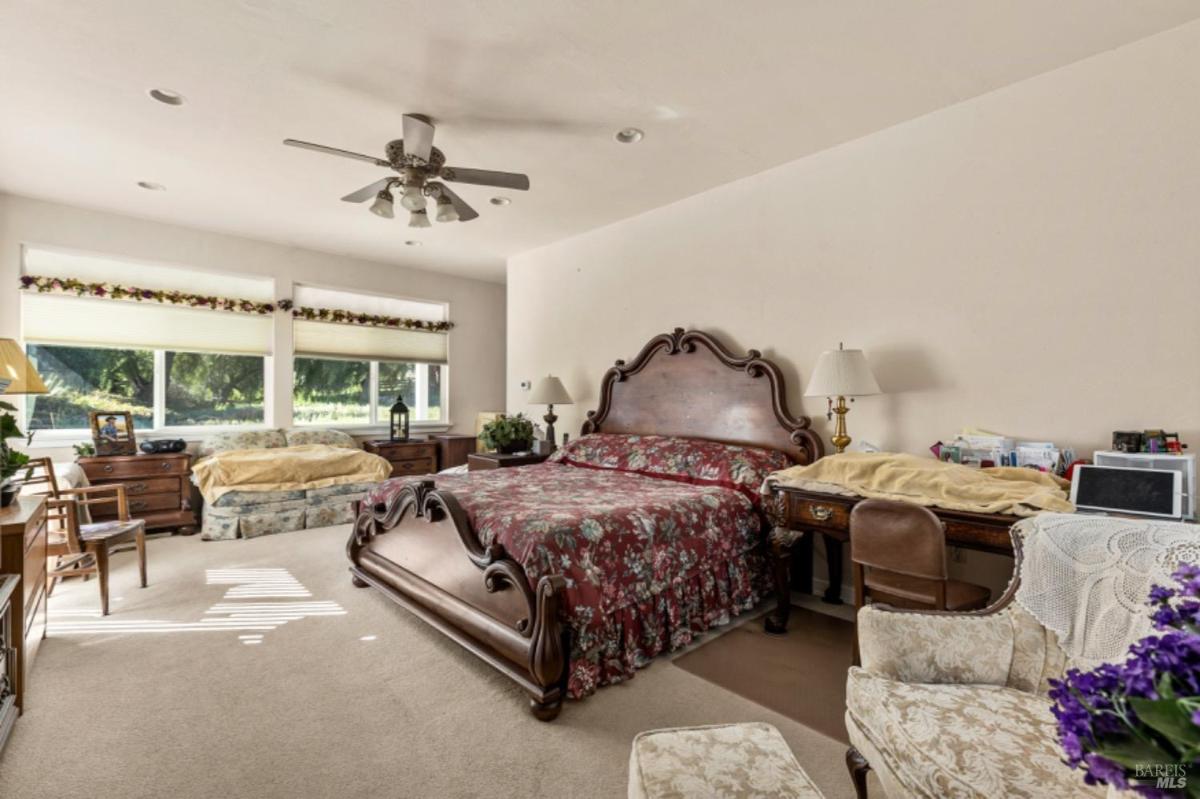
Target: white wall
{"x": 1025, "y": 262}
{"x": 477, "y": 348}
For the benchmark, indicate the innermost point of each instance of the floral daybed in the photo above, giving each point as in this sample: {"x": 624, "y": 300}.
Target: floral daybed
{"x": 252, "y": 513}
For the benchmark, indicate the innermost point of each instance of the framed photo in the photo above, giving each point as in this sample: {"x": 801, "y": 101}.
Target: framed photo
{"x": 112, "y": 431}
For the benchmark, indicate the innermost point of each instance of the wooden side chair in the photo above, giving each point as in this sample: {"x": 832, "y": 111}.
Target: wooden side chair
{"x": 898, "y": 554}
{"x": 78, "y": 549}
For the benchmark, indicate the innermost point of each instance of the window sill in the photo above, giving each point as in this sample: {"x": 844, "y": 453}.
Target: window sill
{"x": 57, "y": 439}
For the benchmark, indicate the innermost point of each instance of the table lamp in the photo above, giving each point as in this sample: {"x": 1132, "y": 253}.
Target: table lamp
{"x": 17, "y": 375}
{"x": 550, "y": 392}
{"x": 841, "y": 373}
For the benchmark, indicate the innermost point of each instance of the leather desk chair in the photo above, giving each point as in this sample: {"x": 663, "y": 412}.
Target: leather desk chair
{"x": 898, "y": 554}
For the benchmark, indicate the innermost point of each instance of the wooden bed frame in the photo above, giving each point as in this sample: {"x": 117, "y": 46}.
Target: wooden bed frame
{"x": 420, "y": 550}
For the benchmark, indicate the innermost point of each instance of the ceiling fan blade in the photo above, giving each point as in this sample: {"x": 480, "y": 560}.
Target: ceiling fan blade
{"x": 486, "y": 177}
{"x": 321, "y": 148}
{"x": 465, "y": 212}
{"x": 367, "y": 192}
{"x": 418, "y": 137}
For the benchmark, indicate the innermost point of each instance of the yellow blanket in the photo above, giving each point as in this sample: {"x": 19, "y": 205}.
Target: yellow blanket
{"x": 286, "y": 469}
{"x": 924, "y": 481}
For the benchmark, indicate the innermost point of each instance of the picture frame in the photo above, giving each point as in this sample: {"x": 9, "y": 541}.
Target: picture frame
{"x": 112, "y": 432}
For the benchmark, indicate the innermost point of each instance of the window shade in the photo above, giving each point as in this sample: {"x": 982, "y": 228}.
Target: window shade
{"x": 78, "y": 321}
{"x": 331, "y": 339}
{"x": 88, "y": 321}
{"x": 327, "y": 339}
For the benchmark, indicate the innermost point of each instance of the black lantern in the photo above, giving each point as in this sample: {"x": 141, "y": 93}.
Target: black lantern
{"x": 398, "y": 426}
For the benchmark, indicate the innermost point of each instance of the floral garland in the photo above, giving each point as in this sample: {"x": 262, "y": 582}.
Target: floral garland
{"x": 113, "y": 291}
{"x": 356, "y": 318}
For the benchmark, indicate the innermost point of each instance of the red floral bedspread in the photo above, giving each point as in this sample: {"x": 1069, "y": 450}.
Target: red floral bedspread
{"x": 649, "y": 562}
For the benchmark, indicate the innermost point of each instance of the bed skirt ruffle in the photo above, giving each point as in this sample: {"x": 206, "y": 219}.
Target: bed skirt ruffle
{"x": 671, "y": 619}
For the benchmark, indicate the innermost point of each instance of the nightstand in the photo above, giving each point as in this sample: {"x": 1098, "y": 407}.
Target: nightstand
{"x": 478, "y": 461}
{"x": 406, "y": 457}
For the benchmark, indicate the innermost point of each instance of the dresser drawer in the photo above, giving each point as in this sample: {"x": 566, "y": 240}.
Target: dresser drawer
{"x": 405, "y": 468}
{"x": 138, "y": 506}
{"x": 135, "y": 486}
{"x": 110, "y": 469}
{"x": 831, "y": 513}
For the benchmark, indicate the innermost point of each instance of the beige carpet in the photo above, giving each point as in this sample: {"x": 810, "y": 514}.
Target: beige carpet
{"x": 802, "y": 674}
{"x": 154, "y": 702}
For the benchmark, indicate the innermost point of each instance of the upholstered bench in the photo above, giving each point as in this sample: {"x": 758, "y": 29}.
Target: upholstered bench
{"x": 731, "y": 761}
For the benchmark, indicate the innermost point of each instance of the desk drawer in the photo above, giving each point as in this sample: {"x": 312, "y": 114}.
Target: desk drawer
{"x": 832, "y": 513}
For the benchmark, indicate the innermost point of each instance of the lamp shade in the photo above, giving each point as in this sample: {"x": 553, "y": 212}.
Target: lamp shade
{"x": 550, "y": 391}
{"x": 842, "y": 373}
{"x": 17, "y": 375}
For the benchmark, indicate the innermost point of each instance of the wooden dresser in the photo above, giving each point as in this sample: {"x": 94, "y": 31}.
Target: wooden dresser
{"x": 23, "y": 552}
{"x": 10, "y": 584}
{"x": 158, "y": 487}
{"x": 406, "y": 457}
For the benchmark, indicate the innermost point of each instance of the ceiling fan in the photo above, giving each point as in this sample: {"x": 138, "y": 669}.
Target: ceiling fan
{"x": 422, "y": 169}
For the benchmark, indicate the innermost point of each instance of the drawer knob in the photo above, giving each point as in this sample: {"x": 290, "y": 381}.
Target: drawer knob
{"x": 137, "y": 505}
{"x": 821, "y": 513}
{"x": 136, "y": 486}
{"x": 108, "y": 467}
{"x": 165, "y": 466}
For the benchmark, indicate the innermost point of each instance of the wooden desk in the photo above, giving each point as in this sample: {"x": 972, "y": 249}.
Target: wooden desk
{"x": 23, "y": 552}
{"x": 805, "y": 513}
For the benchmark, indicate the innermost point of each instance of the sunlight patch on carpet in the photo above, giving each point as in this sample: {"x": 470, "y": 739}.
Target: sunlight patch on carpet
{"x": 256, "y": 602}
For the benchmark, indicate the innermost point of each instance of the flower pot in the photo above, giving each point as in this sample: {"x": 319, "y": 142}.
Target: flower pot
{"x": 515, "y": 446}
{"x": 8, "y": 492}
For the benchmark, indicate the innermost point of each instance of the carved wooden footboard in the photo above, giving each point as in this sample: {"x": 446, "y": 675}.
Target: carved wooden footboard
{"x": 420, "y": 550}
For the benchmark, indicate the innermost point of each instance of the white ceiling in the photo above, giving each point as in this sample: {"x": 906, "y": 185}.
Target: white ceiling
{"x": 722, "y": 90}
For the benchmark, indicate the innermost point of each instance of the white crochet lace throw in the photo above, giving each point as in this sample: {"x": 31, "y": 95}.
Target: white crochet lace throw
{"x": 1087, "y": 578}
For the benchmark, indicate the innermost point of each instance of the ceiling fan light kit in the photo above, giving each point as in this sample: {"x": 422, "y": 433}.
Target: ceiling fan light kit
{"x": 420, "y": 166}
{"x": 383, "y": 205}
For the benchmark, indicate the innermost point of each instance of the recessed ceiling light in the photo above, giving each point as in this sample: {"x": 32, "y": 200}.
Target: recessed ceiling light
{"x": 167, "y": 96}
{"x": 500, "y": 201}
{"x": 148, "y": 186}
{"x": 413, "y": 243}
{"x": 629, "y": 135}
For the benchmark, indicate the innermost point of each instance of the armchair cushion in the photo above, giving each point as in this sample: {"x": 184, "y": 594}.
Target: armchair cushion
{"x": 1004, "y": 648}
{"x": 968, "y": 741}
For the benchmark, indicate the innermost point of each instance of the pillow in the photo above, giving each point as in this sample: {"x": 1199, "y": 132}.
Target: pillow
{"x": 243, "y": 439}
{"x": 334, "y": 438}
{"x": 688, "y": 460}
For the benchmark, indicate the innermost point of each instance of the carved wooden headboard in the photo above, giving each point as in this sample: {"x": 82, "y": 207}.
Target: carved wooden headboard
{"x": 686, "y": 383}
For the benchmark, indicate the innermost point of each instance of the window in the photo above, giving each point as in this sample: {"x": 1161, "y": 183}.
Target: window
{"x": 207, "y": 388}
{"x": 331, "y": 391}
{"x": 83, "y": 379}
{"x": 339, "y": 391}
{"x": 200, "y": 388}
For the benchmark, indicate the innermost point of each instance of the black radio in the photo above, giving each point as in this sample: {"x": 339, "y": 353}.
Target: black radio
{"x": 161, "y": 445}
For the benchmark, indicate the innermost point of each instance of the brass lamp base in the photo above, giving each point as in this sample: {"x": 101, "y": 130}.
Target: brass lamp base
{"x": 840, "y": 438}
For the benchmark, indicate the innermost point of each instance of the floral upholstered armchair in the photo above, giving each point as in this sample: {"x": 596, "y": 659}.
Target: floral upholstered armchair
{"x": 955, "y": 705}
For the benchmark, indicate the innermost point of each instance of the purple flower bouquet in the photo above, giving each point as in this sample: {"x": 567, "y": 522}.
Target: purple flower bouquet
{"x": 1136, "y": 726}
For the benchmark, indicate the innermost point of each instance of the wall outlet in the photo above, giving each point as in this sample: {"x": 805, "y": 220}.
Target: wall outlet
{"x": 526, "y": 385}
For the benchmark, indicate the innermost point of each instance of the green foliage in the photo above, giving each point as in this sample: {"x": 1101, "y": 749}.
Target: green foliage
{"x": 11, "y": 460}
{"x": 84, "y": 450}
{"x": 507, "y": 433}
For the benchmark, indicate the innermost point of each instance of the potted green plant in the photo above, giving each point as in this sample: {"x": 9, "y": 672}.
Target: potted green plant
{"x": 508, "y": 434}
{"x": 11, "y": 460}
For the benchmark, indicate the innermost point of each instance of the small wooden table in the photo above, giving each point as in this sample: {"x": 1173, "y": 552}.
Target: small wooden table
{"x": 158, "y": 486}
{"x": 804, "y": 513}
{"x": 496, "y": 460}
